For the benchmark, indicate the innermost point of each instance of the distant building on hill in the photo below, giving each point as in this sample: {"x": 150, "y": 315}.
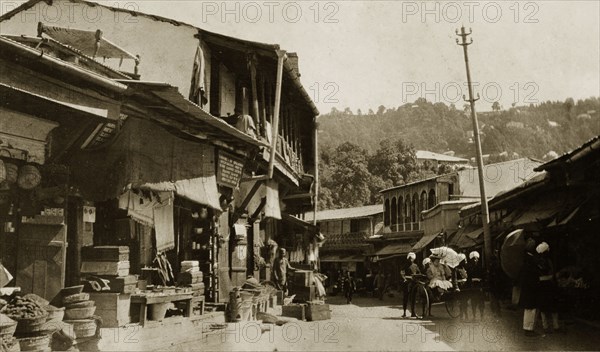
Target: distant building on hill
{"x": 436, "y": 158}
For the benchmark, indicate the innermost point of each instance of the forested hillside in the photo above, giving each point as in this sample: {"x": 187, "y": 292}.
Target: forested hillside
{"x": 530, "y": 131}
{"x": 363, "y": 154}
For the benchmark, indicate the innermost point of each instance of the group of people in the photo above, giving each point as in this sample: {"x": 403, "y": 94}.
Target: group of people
{"x": 539, "y": 291}
{"x": 441, "y": 278}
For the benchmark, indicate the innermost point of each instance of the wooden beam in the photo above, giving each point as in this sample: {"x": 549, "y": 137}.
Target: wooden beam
{"x": 254, "y": 216}
{"x": 239, "y": 210}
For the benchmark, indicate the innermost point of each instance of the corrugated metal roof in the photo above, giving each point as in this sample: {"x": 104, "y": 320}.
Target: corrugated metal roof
{"x": 426, "y": 155}
{"x": 591, "y": 145}
{"x": 498, "y": 177}
{"x": 346, "y": 213}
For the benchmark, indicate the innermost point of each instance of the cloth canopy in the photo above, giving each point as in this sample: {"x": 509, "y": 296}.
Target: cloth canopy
{"x": 393, "y": 250}
{"x": 136, "y": 158}
{"x": 201, "y": 190}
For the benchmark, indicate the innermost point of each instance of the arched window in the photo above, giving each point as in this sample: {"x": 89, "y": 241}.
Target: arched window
{"x": 431, "y": 199}
{"x": 423, "y": 203}
{"x": 386, "y": 213}
{"x": 394, "y": 212}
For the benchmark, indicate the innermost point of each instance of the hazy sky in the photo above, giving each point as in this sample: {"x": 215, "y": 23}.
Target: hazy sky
{"x": 362, "y": 54}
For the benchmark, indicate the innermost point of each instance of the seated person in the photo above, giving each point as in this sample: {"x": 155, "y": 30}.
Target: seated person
{"x": 436, "y": 273}
{"x": 242, "y": 122}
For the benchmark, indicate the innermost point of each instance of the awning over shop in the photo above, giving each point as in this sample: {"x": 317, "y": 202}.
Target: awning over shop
{"x": 424, "y": 241}
{"x": 134, "y": 158}
{"x": 299, "y": 222}
{"x": 393, "y": 250}
{"x": 338, "y": 258}
{"x": 467, "y": 237}
{"x": 202, "y": 190}
{"x": 538, "y": 212}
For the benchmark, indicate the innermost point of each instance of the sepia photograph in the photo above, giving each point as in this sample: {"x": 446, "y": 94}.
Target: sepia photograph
{"x": 308, "y": 175}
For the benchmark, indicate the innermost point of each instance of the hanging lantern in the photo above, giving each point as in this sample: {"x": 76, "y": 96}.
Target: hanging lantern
{"x": 29, "y": 177}
{"x": 12, "y": 172}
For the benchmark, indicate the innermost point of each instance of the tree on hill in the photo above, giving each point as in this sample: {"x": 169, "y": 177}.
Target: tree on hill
{"x": 496, "y": 106}
{"x": 393, "y": 161}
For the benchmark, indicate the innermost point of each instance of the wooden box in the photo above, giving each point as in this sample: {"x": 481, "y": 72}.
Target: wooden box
{"x": 105, "y": 253}
{"x": 302, "y": 278}
{"x": 105, "y": 268}
{"x": 297, "y": 311}
{"x": 316, "y": 312}
{"x": 303, "y": 294}
{"x": 113, "y": 308}
{"x": 125, "y": 284}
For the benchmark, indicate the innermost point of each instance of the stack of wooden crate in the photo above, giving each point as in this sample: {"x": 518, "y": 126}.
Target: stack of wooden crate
{"x": 105, "y": 274}
{"x": 190, "y": 276}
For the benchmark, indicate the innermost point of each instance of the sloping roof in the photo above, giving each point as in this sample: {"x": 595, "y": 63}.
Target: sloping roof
{"x": 85, "y": 41}
{"x": 244, "y": 45}
{"x": 426, "y": 155}
{"x": 166, "y": 99}
{"x": 23, "y": 39}
{"x": 346, "y": 213}
{"x": 417, "y": 182}
{"x": 397, "y": 248}
{"x": 498, "y": 177}
{"x": 577, "y": 153}
{"x": 346, "y": 240}
{"x": 424, "y": 241}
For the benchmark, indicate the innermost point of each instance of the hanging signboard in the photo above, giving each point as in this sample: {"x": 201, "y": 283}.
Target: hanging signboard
{"x": 229, "y": 170}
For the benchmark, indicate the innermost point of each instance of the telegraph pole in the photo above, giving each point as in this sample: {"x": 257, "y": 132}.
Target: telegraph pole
{"x": 485, "y": 216}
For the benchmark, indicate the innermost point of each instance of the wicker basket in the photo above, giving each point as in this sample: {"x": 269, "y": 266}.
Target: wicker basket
{"x": 80, "y": 313}
{"x": 55, "y": 315}
{"x": 83, "y": 328}
{"x": 37, "y": 343}
{"x": 73, "y": 290}
{"x": 76, "y": 298}
{"x": 83, "y": 304}
{"x": 29, "y": 177}
{"x": 31, "y": 324}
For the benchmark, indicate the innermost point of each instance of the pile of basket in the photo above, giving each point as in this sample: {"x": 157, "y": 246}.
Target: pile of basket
{"x": 79, "y": 312}
{"x": 30, "y": 331}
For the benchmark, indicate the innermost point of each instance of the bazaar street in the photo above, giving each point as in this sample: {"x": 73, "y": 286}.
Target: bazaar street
{"x": 370, "y": 324}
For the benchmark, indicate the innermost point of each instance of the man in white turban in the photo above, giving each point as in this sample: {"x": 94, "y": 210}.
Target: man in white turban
{"x": 475, "y": 282}
{"x": 408, "y": 284}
